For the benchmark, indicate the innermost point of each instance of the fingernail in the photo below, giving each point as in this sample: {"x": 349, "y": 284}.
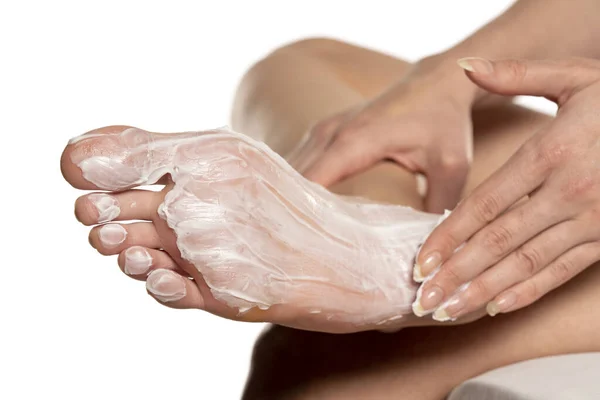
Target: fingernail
{"x": 107, "y": 206}
{"x": 112, "y": 235}
{"x": 476, "y": 64}
{"x": 137, "y": 261}
{"x": 450, "y": 310}
{"x": 431, "y": 297}
{"x": 501, "y": 304}
{"x": 432, "y": 261}
{"x": 418, "y": 309}
{"x": 166, "y": 285}
{"x": 417, "y": 275}
{"x": 441, "y": 315}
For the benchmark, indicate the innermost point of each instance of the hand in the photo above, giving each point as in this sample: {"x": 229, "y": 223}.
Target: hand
{"x": 422, "y": 123}
{"x": 514, "y": 253}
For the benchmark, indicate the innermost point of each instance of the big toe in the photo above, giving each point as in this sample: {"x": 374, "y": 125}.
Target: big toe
{"x": 113, "y": 158}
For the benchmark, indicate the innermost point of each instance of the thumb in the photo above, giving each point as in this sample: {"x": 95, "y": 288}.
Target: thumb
{"x": 556, "y": 80}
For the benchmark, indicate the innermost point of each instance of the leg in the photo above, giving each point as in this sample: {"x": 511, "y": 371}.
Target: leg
{"x": 418, "y": 363}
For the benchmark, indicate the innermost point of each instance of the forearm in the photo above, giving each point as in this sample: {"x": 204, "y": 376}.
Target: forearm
{"x": 532, "y": 29}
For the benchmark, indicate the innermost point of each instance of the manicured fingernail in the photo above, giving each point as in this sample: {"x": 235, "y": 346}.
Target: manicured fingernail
{"x": 476, "y": 64}
{"x": 112, "y": 235}
{"x": 137, "y": 261}
{"x": 107, "y": 206}
{"x": 166, "y": 285}
{"x": 501, "y": 304}
{"x": 417, "y": 275}
{"x": 450, "y": 310}
{"x": 432, "y": 261}
{"x": 431, "y": 297}
{"x": 418, "y": 309}
{"x": 441, "y": 315}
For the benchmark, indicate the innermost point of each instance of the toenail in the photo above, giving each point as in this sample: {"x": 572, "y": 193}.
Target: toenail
{"x": 112, "y": 235}
{"x": 137, "y": 261}
{"x": 166, "y": 285}
{"x": 107, "y": 206}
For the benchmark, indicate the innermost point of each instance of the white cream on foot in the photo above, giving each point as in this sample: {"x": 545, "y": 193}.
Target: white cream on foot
{"x": 112, "y": 235}
{"x": 137, "y": 260}
{"x": 261, "y": 234}
{"x": 107, "y": 206}
{"x": 166, "y": 285}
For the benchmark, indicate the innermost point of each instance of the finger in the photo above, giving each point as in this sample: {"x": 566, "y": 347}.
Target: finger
{"x": 173, "y": 290}
{"x": 519, "y": 176}
{"x": 520, "y": 265}
{"x": 445, "y": 184}
{"x": 345, "y": 156}
{"x": 314, "y": 142}
{"x": 305, "y": 153}
{"x": 554, "y": 79}
{"x": 554, "y": 275}
{"x": 490, "y": 245}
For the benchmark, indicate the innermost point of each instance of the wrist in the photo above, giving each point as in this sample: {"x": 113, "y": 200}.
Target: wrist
{"x": 444, "y": 70}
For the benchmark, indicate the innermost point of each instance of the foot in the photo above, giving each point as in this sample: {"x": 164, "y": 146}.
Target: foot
{"x": 239, "y": 233}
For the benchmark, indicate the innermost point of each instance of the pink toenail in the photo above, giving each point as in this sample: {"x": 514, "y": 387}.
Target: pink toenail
{"x": 166, "y": 285}
{"x": 137, "y": 261}
{"x": 112, "y": 235}
{"x": 107, "y": 206}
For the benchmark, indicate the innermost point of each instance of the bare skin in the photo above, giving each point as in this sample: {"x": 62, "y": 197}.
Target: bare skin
{"x": 415, "y": 363}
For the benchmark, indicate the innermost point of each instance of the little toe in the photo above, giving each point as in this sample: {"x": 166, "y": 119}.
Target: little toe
{"x": 173, "y": 290}
{"x": 139, "y": 261}
{"x": 111, "y": 239}
{"x": 97, "y": 208}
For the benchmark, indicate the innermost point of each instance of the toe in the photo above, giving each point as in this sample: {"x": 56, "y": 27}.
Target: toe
{"x": 113, "y": 238}
{"x": 138, "y": 262}
{"x": 97, "y": 208}
{"x": 89, "y": 144}
{"x": 113, "y": 158}
{"x": 173, "y": 290}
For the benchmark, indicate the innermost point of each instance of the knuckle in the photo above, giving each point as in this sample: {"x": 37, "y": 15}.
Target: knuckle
{"x": 497, "y": 240}
{"x": 453, "y": 275}
{"x": 530, "y": 292}
{"x": 453, "y": 163}
{"x": 480, "y": 290}
{"x": 486, "y": 207}
{"x": 450, "y": 242}
{"x": 579, "y": 187}
{"x": 561, "y": 270}
{"x": 550, "y": 155}
{"x": 515, "y": 71}
{"x": 528, "y": 260}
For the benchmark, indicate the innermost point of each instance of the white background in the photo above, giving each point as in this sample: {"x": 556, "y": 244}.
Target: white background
{"x": 72, "y": 326}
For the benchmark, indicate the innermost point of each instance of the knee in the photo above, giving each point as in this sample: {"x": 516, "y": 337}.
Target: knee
{"x": 313, "y": 45}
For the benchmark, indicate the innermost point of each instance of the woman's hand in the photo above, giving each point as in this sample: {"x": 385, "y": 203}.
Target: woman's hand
{"x": 423, "y": 123}
{"x": 515, "y": 253}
